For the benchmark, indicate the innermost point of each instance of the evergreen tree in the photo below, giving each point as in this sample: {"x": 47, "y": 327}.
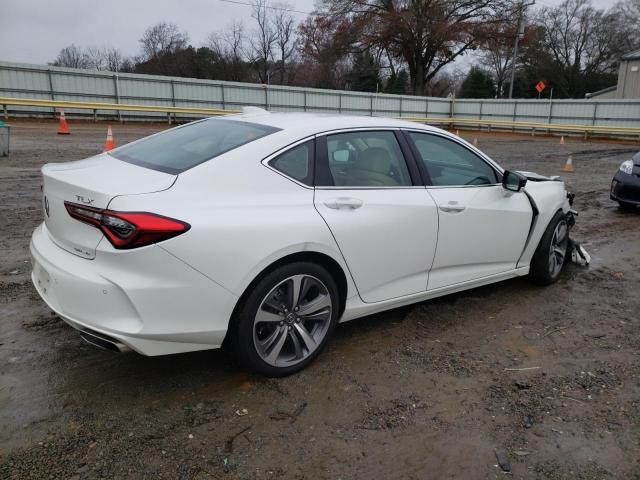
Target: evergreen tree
{"x": 397, "y": 83}
{"x": 477, "y": 84}
{"x": 365, "y": 73}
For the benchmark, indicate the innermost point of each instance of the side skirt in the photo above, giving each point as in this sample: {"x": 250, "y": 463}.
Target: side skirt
{"x": 356, "y": 308}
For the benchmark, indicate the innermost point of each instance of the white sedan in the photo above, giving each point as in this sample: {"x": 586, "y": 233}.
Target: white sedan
{"x": 264, "y": 230}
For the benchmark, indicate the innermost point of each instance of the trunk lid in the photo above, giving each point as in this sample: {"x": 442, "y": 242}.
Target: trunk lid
{"x": 92, "y": 182}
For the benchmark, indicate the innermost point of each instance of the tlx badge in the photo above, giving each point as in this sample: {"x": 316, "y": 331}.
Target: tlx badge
{"x": 85, "y": 200}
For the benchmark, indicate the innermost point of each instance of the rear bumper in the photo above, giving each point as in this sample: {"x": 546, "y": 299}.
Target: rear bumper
{"x": 625, "y": 188}
{"x": 144, "y": 299}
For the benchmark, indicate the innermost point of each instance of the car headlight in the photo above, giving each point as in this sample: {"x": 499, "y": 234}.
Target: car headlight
{"x": 627, "y": 166}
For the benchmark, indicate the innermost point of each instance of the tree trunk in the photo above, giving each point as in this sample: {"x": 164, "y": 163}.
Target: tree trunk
{"x": 418, "y": 79}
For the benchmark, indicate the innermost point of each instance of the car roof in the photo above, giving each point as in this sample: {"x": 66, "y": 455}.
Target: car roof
{"x": 308, "y": 123}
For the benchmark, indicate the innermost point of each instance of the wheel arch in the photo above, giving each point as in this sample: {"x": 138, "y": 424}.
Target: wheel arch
{"x": 550, "y": 198}
{"x": 539, "y": 265}
{"x": 335, "y": 269}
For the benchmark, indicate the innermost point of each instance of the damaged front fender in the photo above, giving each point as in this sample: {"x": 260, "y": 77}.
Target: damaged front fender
{"x": 576, "y": 252}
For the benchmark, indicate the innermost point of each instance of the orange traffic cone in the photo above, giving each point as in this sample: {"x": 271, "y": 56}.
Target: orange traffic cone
{"x": 562, "y": 140}
{"x": 63, "y": 128}
{"x": 475, "y": 141}
{"x": 568, "y": 166}
{"x": 108, "y": 144}
{"x": 457, "y": 133}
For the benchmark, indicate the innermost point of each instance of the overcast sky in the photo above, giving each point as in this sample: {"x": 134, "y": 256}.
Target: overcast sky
{"x": 34, "y": 31}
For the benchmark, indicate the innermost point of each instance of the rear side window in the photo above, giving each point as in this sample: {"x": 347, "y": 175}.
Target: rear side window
{"x": 366, "y": 159}
{"x": 297, "y": 163}
{"x": 180, "y": 149}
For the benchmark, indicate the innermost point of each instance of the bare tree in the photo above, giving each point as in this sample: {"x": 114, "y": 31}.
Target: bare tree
{"x": 631, "y": 8}
{"x": 496, "y": 47}
{"x": 285, "y": 40}
{"x": 96, "y": 57}
{"x": 497, "y": 58}
{"x": 426, "y": 34}
{"x": 325, "y": 44}
{"x": 72, "y": 57}
{"x": 229, "y": 46}
{"x": 263, "y": 39}
{"x": 629, "y": 15}
{"x": 230, "y": 43}
{"x": 236, "y": 41}
{"x": 584, "y": 42}
{"x": 162, "y": 38}
{"x": 114, "y": 60}
{"x": 446, "y": 83}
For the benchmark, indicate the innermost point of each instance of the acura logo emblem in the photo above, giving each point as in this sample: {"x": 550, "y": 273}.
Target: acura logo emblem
{"x": 46, "y": 205}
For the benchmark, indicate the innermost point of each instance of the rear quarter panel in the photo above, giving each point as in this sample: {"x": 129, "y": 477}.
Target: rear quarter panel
{"x": 243, "y": 217}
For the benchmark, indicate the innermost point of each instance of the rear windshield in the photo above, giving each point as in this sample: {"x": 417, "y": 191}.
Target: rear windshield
{"x": 179, "y": 149}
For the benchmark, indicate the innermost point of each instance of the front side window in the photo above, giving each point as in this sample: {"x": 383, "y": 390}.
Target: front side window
{"x": 180, "y": 149}
{"x": 366, "y": 159}
{"x": 297, "y": 163}
{"x": 450, "y": 164}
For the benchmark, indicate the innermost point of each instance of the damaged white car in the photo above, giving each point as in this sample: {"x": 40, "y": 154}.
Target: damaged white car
{"x": 265, "y": 230}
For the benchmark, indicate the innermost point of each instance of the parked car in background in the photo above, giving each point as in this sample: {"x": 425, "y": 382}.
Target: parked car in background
{"x": 265, "y": 230}
{"x": 625, "y": 186}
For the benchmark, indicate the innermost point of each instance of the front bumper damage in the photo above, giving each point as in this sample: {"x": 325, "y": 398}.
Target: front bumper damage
{"x": 575, "y": 252}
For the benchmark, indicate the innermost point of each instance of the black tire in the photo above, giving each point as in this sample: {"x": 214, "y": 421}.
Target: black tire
{"x": 541, "y": 271}
{"x": 243, "y": 340}
{"x": 626, "y": 207}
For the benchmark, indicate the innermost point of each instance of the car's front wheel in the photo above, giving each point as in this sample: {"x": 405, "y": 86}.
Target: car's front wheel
{"x": 287, "y": 318}
{"x": 551, "y": 254}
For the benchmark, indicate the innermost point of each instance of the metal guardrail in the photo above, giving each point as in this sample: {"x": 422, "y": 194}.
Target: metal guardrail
{"x": 451, "y": 122}
{"x": 530, "y": 126}
{"x": 120, "y": 107}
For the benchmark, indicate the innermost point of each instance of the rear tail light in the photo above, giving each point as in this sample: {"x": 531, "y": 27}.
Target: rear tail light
{"x": 128, "y": 229}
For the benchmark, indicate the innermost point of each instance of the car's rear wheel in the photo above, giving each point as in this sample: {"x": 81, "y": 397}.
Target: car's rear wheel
{"x": 551, "y": 254}
{"x": 287, "y": 318}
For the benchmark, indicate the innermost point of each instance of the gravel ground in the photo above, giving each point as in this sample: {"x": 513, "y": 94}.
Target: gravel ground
{"x": 417, "y": 392}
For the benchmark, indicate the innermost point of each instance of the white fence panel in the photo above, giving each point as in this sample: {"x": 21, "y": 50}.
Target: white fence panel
{"x": 54, "y": 83}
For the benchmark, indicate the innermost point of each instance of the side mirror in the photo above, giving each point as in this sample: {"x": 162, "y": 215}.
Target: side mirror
{"x": 513, "y": 181}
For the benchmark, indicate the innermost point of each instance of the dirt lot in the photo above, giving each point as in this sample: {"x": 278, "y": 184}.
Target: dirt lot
{"x": 418, "y": 392}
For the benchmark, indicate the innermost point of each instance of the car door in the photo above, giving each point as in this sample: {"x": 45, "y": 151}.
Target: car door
{"x": 482, "y": 227}
{"x": 370, "y": 195}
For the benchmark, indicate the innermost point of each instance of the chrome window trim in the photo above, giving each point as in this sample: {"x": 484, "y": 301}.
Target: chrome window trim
{"x": 413, "y": 187}
{"x": 356, "y": 129}
{"x": 485, "y": 185}
{"x": 265, "y": 161}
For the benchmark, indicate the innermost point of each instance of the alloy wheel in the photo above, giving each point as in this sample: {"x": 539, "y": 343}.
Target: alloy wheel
{"x": 558, "y": 248}
{"x": 292, "y": 320}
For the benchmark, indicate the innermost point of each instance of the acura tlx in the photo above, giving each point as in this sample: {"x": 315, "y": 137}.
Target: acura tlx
{"x": 264, "y": 230}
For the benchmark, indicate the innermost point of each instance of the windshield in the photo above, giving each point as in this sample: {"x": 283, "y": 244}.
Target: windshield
{"x": 179, "y": 149}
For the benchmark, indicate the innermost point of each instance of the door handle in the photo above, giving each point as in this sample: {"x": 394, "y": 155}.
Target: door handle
{"x": 452, "y": 207}
{"x": 344, "y": 203}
